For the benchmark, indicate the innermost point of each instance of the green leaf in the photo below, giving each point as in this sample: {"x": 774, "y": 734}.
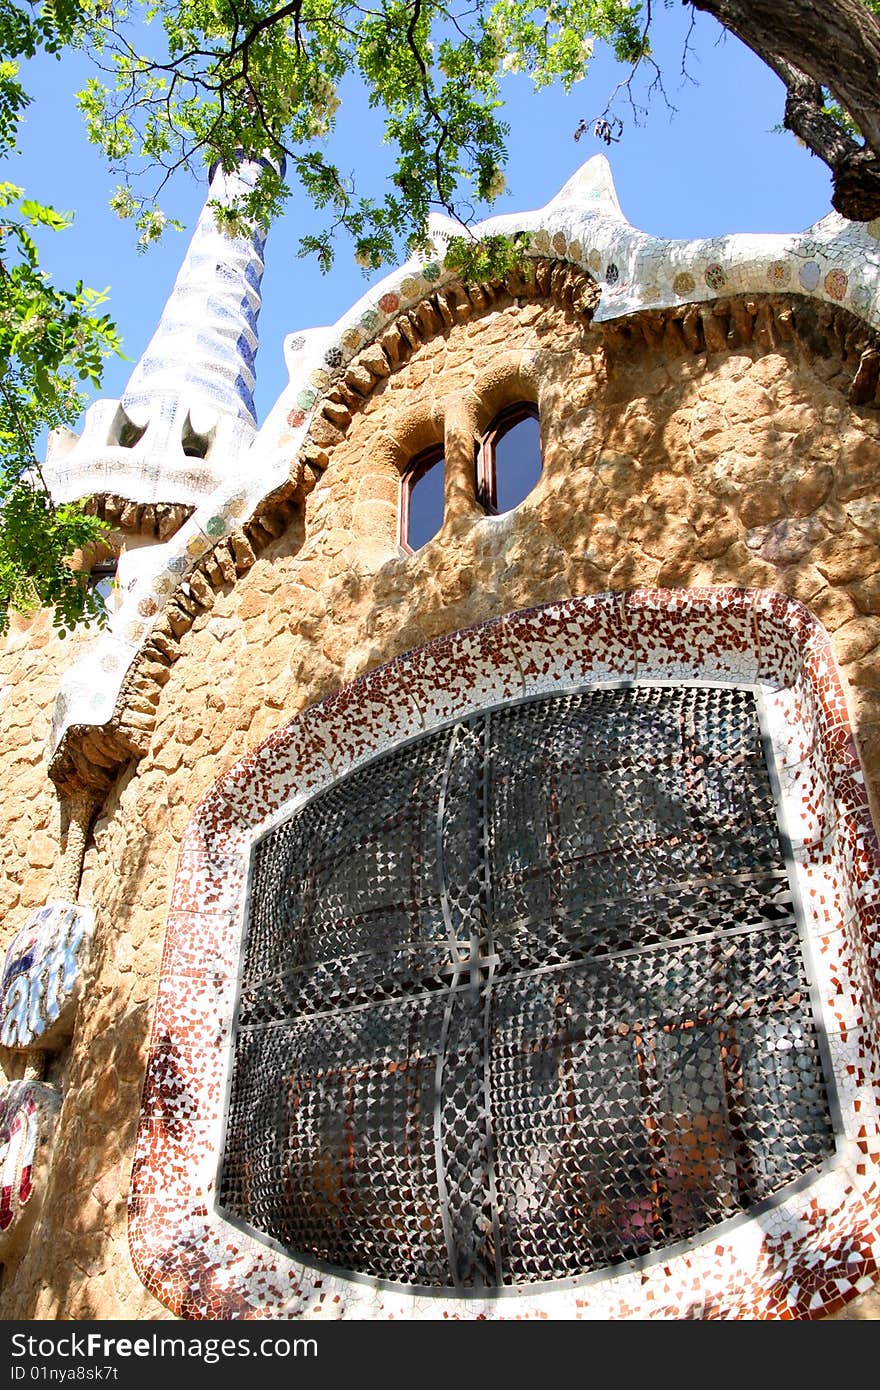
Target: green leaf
{"x": 38, "y": 214}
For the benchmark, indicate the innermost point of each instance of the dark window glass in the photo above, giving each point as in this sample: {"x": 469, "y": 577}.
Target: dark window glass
{"x": 102, "y": 577}
{"x": 509, "y": 461}
{"x": 422, "y": 499}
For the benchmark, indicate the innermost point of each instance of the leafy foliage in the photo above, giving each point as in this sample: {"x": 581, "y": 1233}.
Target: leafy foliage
{"x": 192, "y": 81}
{"x": 36, "y": 541}
{"x": 492, "y": 257}
{"x": 50, "y": 340}
{"x": 203, "y": 80}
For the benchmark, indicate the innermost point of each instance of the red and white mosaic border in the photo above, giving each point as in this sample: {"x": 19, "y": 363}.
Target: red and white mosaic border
{"x": 807, "y": 1255}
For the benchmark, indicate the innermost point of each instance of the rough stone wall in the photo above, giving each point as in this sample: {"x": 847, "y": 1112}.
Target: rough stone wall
{"x": 31, "y": 655}
{"x": 665, "y": 463}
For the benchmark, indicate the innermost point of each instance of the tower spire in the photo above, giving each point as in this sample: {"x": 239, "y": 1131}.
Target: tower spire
{"x": 187, "y": 413}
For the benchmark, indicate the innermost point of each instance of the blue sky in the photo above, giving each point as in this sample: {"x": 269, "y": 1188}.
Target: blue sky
{"x": 714, "y": 166}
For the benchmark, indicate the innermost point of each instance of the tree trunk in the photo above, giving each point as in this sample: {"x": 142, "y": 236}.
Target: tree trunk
{"x": 833, "y": 44}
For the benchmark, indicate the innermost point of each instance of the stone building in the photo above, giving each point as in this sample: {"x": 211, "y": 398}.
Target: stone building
{"x": 449, "y": 885}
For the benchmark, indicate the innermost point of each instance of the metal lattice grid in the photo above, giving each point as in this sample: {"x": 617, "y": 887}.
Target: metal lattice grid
{"x": 525, "y": 998}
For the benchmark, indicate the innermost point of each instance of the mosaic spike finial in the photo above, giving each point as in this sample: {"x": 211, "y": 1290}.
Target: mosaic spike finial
{"x": 592, "y": 183}
{"x": 206, "y": 340}
{"x": 187, "y": 414}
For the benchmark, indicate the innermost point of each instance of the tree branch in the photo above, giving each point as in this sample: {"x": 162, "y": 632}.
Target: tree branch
{"x": 835, "y": 46}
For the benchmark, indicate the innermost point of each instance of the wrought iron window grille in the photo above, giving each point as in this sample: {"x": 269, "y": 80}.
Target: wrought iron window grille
{"x": 525, "y": 999}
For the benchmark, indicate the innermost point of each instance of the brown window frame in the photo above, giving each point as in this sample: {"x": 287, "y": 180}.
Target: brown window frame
{"x": 486, "y": 477}
{"x": 415, "y": 471}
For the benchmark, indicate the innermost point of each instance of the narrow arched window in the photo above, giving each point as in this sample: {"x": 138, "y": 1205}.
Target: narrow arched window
{"x": 509, "y": 458}
{"x": 421, "y": 499}
{"x": 102, "y": 577}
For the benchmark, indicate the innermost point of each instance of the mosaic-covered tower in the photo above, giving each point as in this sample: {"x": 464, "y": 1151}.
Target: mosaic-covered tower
{"x": 186, "y": 416}
{"x": 450, "y": 887}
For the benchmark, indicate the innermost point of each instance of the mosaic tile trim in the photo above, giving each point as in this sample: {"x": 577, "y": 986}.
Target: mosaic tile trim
{"x": 28, "y": 1111}
{"x": 816, "y": 1248}
{"x": 42, "y": 976}
{"x": 836, "y": 261}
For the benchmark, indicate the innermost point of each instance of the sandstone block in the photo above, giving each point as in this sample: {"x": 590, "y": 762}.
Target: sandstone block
{"x": 864, "y": 513}
{"x": 846, "y": 559}
{"x": 359, "y": 378}
{"x": 716, "y": 537}
{"x": 833, "y": 607}
{"x": 858, "y": 465}
{"x": 866, "y": 594}
{"x": 856, "y": 639}
{"x": 760, "y": 504}
{"x": 865, "y": 671}
{"x": 786, "y": 541}
{"x": 808, "y": 491}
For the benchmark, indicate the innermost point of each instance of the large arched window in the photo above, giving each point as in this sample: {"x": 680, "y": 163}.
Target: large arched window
{"x": 524, "y": 998}
{"x": 421, "y": 499}
{"x": 509, "y": 458}
{"x": 522, "y": 968}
